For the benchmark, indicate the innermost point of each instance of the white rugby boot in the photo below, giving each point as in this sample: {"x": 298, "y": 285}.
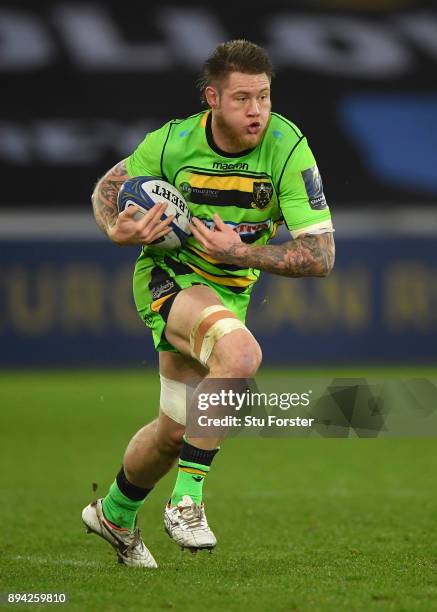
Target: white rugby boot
{"x": 128, "y": 544}
{"x": 186, "y": 524}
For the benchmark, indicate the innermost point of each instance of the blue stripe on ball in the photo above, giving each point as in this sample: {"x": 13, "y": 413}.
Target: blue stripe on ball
{"x": 132, "y": 190}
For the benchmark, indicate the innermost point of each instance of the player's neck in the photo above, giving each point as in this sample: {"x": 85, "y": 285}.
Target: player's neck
{"x": 224, "y": 140}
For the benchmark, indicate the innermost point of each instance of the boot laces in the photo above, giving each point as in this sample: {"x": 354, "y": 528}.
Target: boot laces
{"x": 136, "y": 540}
{"x": 193, "y": 517}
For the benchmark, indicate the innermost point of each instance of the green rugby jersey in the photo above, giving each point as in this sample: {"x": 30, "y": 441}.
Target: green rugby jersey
{"x": 253, "y": 191}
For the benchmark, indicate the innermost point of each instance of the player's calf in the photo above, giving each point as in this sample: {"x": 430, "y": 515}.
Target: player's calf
{"x": 152, "y": 451}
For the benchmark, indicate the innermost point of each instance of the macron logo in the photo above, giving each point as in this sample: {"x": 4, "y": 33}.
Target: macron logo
{"x": 225, "y": 166}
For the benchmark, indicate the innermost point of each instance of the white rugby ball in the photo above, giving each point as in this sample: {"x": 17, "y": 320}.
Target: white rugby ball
{"x": 146, "y": 191}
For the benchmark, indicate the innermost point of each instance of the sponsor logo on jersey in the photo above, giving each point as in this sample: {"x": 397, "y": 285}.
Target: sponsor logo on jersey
{"x": 262, "y": 194}
{"x": 243, "y": 229}
{"x": 162, "y": 289}
{"x": 314, "y": 188}
{"x": 187, "y": 190}
{"x": 226, "y": 166}
{"x": 248, "y": 229}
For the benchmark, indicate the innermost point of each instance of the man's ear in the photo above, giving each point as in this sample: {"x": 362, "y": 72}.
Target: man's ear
{"x": 212, "y": 96}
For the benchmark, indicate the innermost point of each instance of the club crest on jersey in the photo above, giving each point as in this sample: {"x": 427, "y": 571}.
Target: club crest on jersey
{"x": 262, "y": 194}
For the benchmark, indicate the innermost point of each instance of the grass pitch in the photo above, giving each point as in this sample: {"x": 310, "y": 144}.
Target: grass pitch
{"x": 303, "y": 525}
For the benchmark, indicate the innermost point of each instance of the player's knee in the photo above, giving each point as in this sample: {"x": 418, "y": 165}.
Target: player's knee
{"x": 217, "y": 325}
{"x": 246, "y": 361}
{"x": 239, "y": 359}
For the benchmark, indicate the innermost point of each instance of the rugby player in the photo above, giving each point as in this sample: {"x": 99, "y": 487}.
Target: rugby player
{"x": 243, "y": 170}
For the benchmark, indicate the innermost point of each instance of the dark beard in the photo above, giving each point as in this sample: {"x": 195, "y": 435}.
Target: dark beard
{"x": 229, "y": 134}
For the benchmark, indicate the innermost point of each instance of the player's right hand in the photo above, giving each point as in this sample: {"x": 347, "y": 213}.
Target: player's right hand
{"x": 128, "y": 230}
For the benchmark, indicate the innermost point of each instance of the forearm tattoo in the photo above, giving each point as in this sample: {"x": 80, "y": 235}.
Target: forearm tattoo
{"x": 307, "y": 255}
{"x": 105, "y": 195}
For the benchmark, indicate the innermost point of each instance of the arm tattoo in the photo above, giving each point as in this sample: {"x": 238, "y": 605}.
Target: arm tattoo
{"x": 105, "y": 195}
{"x": 307, "y": 255}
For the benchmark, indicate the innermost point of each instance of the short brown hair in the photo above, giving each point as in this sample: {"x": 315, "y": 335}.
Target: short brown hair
{"x": 234, "y": 56}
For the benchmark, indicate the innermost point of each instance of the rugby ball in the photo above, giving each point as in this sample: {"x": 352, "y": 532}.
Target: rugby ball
{"x": 146, "y": 191}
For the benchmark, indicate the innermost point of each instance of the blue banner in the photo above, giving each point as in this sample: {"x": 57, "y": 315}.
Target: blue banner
{"x": 70, "y": 303}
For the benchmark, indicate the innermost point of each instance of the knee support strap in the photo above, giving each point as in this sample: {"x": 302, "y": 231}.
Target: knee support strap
{"x": 213, "y": 323}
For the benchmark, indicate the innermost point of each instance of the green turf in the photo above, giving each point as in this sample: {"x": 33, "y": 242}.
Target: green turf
{"x": 304, "y": 525}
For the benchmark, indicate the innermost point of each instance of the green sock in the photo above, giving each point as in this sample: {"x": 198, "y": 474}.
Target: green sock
{"x": 119, "y": 509}
{"x": 189, "y": 482}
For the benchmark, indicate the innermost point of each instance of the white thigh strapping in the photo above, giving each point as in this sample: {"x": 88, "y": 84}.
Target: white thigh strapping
{"x": 224, "y": 324}
{"x": 173, "y": 399}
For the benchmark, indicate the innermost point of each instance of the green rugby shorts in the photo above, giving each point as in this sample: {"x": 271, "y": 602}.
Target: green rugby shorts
{"x": 157, "y": 281}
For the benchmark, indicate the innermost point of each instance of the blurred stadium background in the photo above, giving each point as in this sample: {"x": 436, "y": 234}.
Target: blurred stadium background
{"x": 81, "y": 84}
{"x": 302, "y": 524}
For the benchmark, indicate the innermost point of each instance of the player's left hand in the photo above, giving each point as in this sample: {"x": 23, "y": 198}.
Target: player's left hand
{"x": 216, "y": 241}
